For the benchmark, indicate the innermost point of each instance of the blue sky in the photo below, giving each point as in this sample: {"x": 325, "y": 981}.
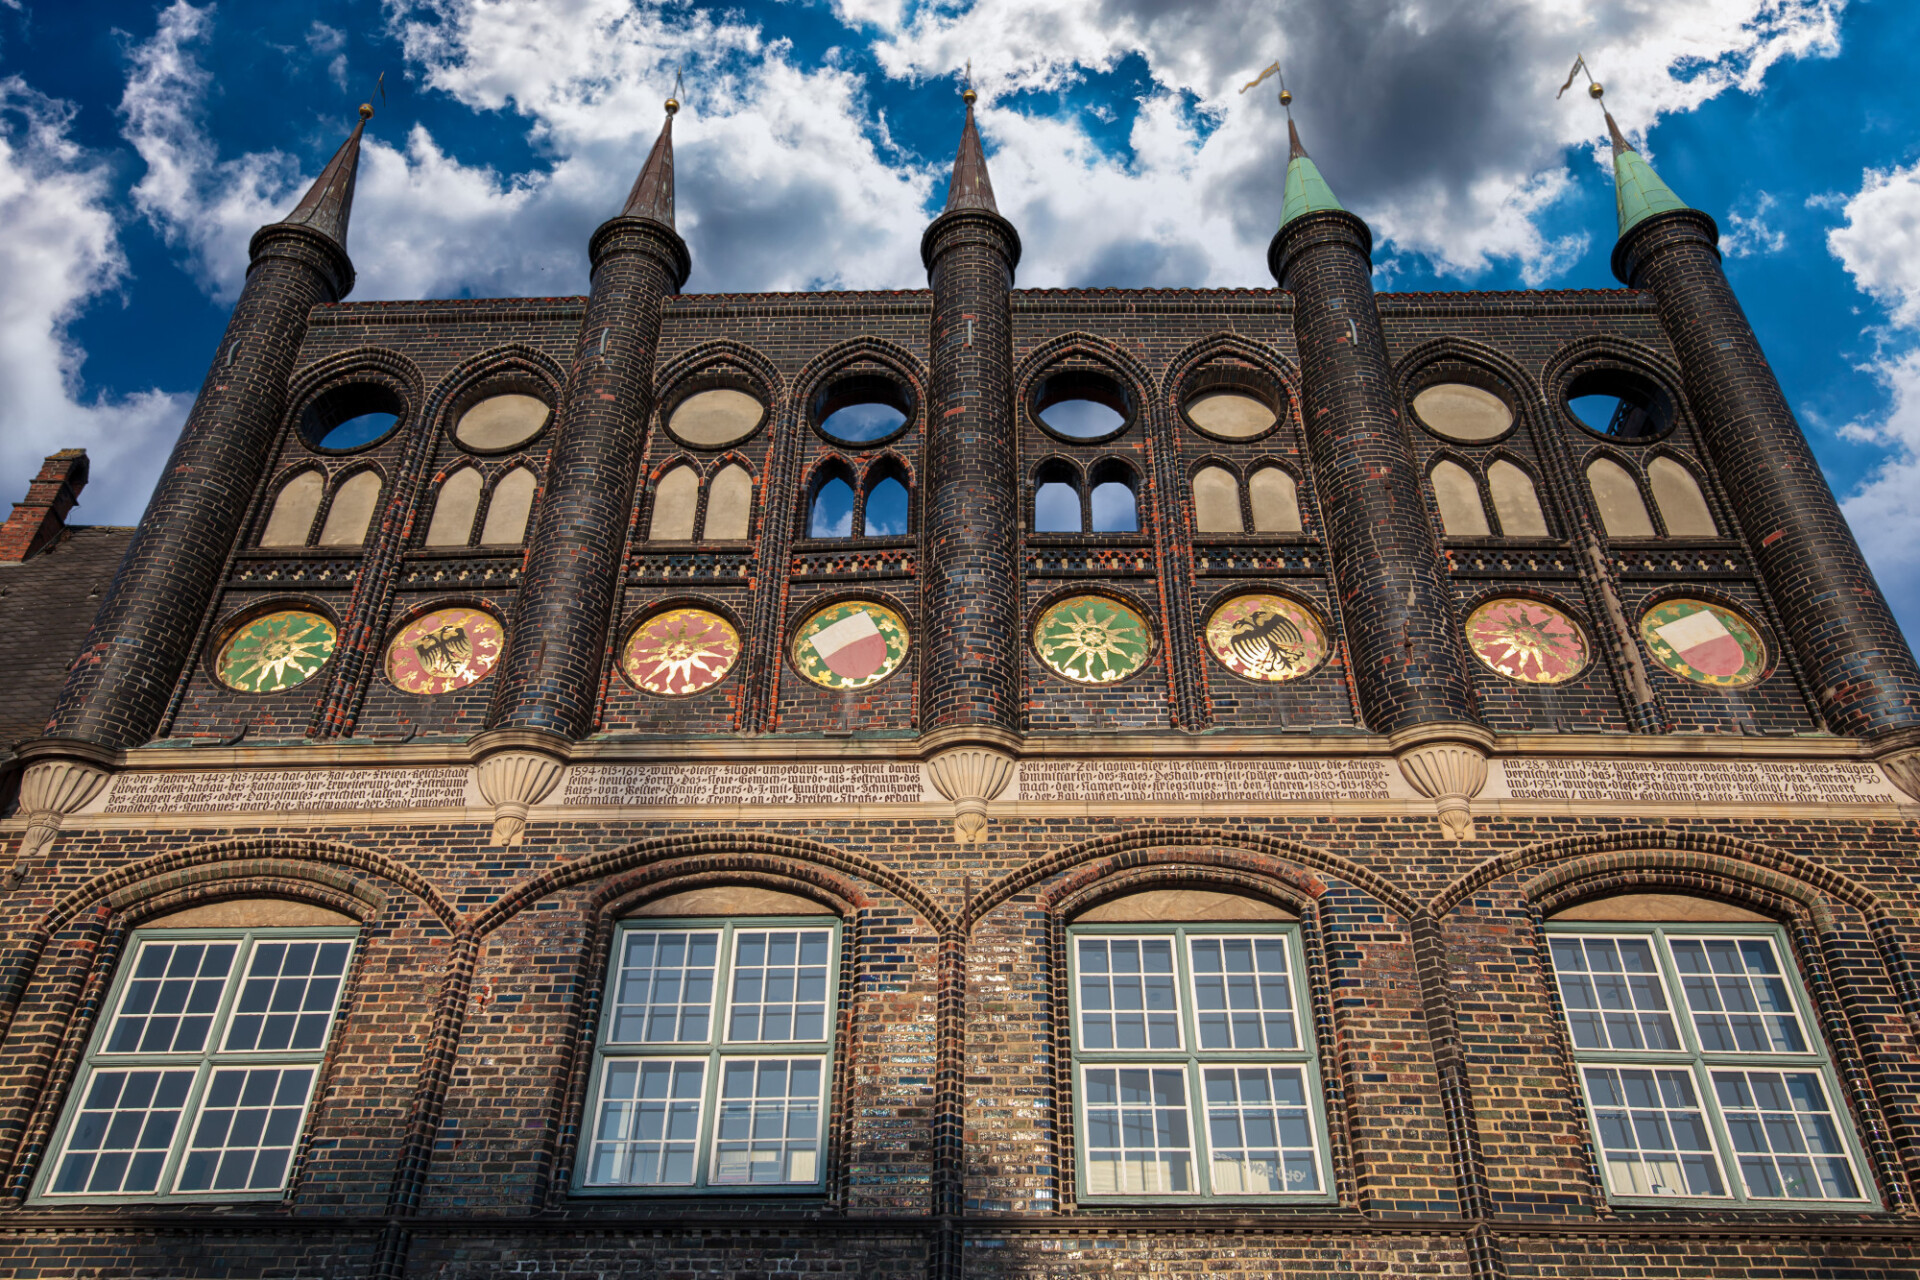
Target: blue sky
{"x": 140, "y": 145}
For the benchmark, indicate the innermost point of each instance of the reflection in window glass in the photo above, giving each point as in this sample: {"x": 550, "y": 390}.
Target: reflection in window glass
{"x": 886, "y": 514}
{"x": 1056, "y": 508}
{"x": 1137, "y": 1140}
{"x": 1784, "y": 1135}
{"x": 1260, "y": 1129}
{"x": 1738, "y": 996}
{"x": 1113, "y": 509}
{"x": 769, "y": 1128}
{"x": 1653, "y": 1134}
{"x": 779, "y": 985}
{"x": 1243, "y": 994}
{"x": 1126, "y": 994}
{"x": 664, "y": 990}
{"x": 1612, "y": 993}
{"x": 832, "y": 515}
{"x": 649, "y": 1127}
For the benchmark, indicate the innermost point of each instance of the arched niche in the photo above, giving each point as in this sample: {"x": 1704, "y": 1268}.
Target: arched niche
{"x": 1663, "y": 908}
{"x": 1176, "y": 906}
{"x": 730, "y": 900}
{"x": 251, "y": 913}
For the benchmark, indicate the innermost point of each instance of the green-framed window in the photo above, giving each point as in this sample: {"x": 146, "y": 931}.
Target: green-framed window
{"x": 198, "y": 1080}
{"x": 713, "y": 1056}
{"x": 1703, "y": 1068}
{"x": 1194, "y": 1069}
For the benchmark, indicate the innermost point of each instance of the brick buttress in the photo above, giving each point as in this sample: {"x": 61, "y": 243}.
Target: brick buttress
{"x": 552, "y": 671}
{"x": 1836, "y": 618}
{"x": 1408, "y": 664}
{"x": 142, "y": 638}
{"x": 971, "y": 627}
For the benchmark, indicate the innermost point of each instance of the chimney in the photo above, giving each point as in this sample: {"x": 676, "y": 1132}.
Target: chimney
{"x": 37, "y": 522}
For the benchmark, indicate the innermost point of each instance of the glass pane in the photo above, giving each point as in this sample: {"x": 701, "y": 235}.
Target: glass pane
{"x": 122, "y": 1132}
{"x": 1612, "y": 993}
{"x": 1137, "y": 1141}
{"x": 769, "y": 1123}
{"x": 1652, "y": 1133}
{"x": 1126, "y": 994}
{"x": 1242, "y": 995}
{"x": 1737, "y": 991}
{"x": 1785, "y": 1135}
{"x": 663, "y": 993}
{"x": 170, "y": 1001}
{"x": 249, "y": 1122}
{"x": 779, "y": 986}
{"x": 287, "y": 999}
{"x": 648, "y": 1124}
{"x": 1260, "y": 1127}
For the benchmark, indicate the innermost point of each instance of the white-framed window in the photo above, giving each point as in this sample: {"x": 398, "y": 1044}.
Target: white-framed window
{"x": 712, "y": 1059}
{"x": 199, "y": 1077}
{"x": 1703, "y": 1068}
{"x": 1194, "y": 1068}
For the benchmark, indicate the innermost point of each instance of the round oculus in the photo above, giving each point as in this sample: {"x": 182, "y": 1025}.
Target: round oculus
{"x": 276, "y": 651}
{"x": 501, "y": 422}
{"x": 1527, "y": 641}
{"x": 1092, "y": 640}
{"x": 1706, "y": 643}
{"x": 850, "y": 645}
{"x": 1459, "y": 411}
{"x": 1260, "y": 636}
{"x": 1231, "y": 415}
{"x": 716, "y": 418}
{"x": 680, "y": 651}
{"x": 445, "y": 650}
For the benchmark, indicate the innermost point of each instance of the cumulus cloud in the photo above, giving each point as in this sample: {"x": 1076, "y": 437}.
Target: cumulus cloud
{"x": 61, "y": 252}
{"x": 1748, "y": 231}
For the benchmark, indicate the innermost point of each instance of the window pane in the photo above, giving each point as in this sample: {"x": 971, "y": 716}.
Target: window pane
{"x": 779, "y": 986}
{"x": 1653, "y": 1134}
{"x": 1260, "y": 1128}
{"x": 287, "y": 998}
{"x": 1242, "y": 994}
{"x": 120, "y": 1138}
{"x": 663, "y": 993}
{"x": 1126, "y": 994}
{"x": 170, "y": 1002}
{"x": 1613, "y": 995}
{"x": 1785, "y": 1135}
{"x": 249, "y": 1121}
{"x": 1737, "y": 991}
{"x": 769, "y": 1123}
{"x": 1137, "y": 1142}
{"x": 648, "y": 1124}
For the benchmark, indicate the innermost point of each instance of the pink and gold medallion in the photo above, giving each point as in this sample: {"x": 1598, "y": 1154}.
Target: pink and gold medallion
{"x": 445, "y": 650}
{"x": 1527, "y": 640}
{"x": 680, "y": 651}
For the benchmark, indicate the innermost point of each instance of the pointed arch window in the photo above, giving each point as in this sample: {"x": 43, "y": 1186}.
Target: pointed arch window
{"x": 729, "y": 505}
{"x": 1112, "y": 506}
{"x": 454, "y": 508}
{"x": 294, "y": 508}
{"x": 507, "y": 513}
{"x": 351, "y": 514}
{"x": 1056, "y": 499}
{"x": 1515, "y": 501}
{"x": 1683, "y": 509}
{"x": 1216, "y": 501}
{"x": 676, "y": 500}
{"x": 1275, "y": 500}
{"x": 1617, "y": 497}
{"x": 885, "y": 511}
{"x": 830, "y": 514}
{"x": 1458, "y": 497}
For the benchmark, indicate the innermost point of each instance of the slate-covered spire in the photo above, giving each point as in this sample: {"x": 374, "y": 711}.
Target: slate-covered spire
{"x": 1307, "y": 191}
{"x": 1636, "y": 187}
{"x": 328, "y": 204}
{"x": 652, "y": 194}
{"x": 970, "y": 188}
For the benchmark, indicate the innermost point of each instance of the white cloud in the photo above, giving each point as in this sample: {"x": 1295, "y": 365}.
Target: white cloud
{"x": 1880, "y": 243}
{"x": 1749, "y": 234}
{"x": 61, "y": 252}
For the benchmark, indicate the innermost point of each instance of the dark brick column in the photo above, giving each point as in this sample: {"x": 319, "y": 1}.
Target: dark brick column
{"x": 971, "y": 646}
{"x": 1835, "y": 616}
{"x": 1394, "y": 598}
{"x": 118, "y": 687}
{"x": 552, "y": 671}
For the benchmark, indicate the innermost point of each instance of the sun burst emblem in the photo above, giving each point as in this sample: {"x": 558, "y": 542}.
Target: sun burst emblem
{"x": 276, "y": 651}
{"x": 681, "y": 651}
{"x": 1092, "y": 640}
{"x": 445, "y": 650}
{"x": 1527, "y": 641}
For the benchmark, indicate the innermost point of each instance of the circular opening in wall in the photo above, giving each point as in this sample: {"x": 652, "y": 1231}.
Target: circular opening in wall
{"x": 1619, "y": 404}
{"x": 1460, "y": 411}
{"x": 863, "y": 408}
{"x": 716, "y": 418}
{"x": 1082, "y": 405}
{"x": 351, "y": 417}
{"x": 1232, "y": 413}
{"x": 501, "y": 422}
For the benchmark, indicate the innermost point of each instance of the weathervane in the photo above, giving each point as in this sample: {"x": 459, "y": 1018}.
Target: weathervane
{"x": 1286, "y": 94}
{"x": 679, "y": 84}
{"x": 967, "y": 95}
{"x": 1594, "y": 88}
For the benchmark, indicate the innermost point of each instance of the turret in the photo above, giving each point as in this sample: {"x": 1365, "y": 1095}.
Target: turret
{"x": 1836, "y": 618}
{"x": 551, "y": 676}
{"x": 1395, "y": 600}
{"x": 970, "y": 672}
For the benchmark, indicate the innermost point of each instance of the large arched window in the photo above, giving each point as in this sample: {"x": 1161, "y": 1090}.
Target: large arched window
{"x": 454, "y": 508}
{"x": 1617, "y": 497}
{"x": 1515, "y": 501}
{"x": 351, "y": 514}
{"x": 507, "y": 513}
{"x": 676, "y": 500}
{"x": 1677, "y": 494}
{"x": 294, "y": 508}
{"x": 729, "y": 505}
{"x": 1458, "y": 497}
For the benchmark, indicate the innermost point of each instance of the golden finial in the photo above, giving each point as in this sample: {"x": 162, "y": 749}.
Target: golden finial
{"x": 1596, "y": 91}
{"x": 967, "y": 95}
{"x": 679, "y": 83}
{"x": 366, "y": 111}
{"x": 1286, "y": 97}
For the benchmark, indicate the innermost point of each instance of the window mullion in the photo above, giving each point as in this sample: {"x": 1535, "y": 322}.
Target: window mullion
{"x": 1722, "y": 1136}
{"x": 1199, "y": 1142}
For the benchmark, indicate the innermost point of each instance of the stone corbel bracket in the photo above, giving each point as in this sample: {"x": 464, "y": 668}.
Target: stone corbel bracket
{"x": 1447, "y": 763}
{"x": 54, "y": 787}
{"x": 972, "y": 774}
{"x": 1901, "y": 763}
{"x": 514, "y": 773}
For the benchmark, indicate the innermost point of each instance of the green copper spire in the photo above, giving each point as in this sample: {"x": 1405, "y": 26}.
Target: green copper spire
{"x": 1637, "y": 187}
{"x": 1307, "y": 191}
